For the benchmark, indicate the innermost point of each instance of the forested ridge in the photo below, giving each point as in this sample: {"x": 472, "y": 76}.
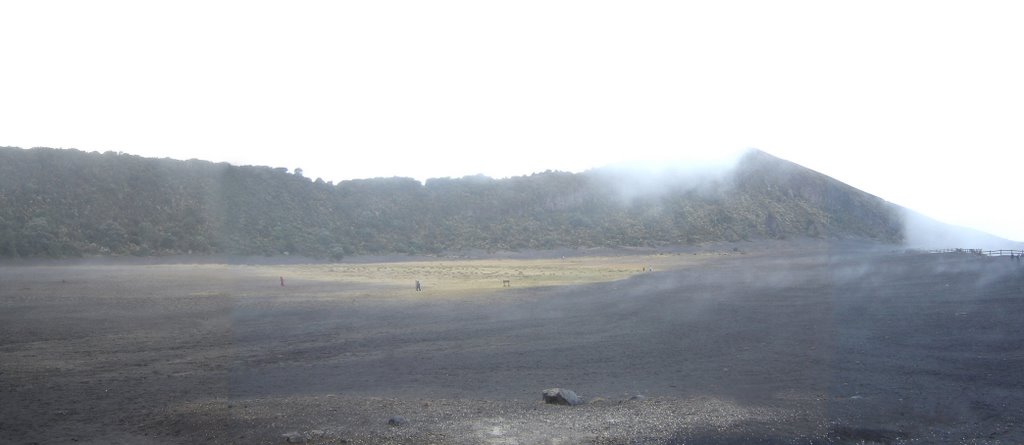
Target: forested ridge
{"x": 66, "y": 203}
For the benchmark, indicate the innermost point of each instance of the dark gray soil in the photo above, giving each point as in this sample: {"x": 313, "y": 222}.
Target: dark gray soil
{"x": 810, "y": 345}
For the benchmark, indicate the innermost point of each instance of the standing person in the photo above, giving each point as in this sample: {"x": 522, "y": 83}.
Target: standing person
{"x": 282, "y": 281}
{"x": 418, "y": 288}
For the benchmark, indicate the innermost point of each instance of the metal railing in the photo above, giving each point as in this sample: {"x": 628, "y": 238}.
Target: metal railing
{"x": 1001, "y": 252}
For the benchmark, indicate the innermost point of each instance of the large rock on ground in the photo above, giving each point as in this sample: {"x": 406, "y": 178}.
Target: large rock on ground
{"x": 561, "y": 396}
{"x": 294, "y": 437}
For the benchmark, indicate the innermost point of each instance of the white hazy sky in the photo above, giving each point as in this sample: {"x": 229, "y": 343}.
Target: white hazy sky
{"x": 919, "y": 102}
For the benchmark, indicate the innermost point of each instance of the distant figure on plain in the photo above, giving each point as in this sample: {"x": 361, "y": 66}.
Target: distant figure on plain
{"x": 418, "y": 288}
{"x": 282, "y": 281}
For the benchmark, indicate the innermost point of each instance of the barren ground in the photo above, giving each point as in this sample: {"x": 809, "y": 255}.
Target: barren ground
{"x": 814, "y": 343}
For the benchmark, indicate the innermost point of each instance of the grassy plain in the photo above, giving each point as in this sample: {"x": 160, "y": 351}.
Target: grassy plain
{"x": 468, "y": 278}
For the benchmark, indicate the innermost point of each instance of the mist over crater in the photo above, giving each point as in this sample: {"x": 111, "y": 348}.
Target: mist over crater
{"x": 66, "y": 203}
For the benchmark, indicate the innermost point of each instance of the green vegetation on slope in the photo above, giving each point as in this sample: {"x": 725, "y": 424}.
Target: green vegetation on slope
{"x": 59, "y": 203}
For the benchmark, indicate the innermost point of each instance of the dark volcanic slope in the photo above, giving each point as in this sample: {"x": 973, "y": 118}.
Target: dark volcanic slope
{"x": 746, "y": 329}
{"x": 67, "y": 203}
{"x": 799, "y": 347}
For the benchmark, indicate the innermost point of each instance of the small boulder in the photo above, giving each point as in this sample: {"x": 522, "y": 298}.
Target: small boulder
{"x": 561, "y": 396}
{"x": 294, "y": 437}
{"x": 397, "y": 421}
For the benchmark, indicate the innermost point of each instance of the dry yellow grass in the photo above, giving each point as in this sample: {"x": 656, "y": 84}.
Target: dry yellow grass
{"x": 441, "y": 278}
{"x": 459, "y": 278}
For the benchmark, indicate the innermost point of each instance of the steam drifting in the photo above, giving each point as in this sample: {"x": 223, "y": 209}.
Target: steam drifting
{"x": 922, "y": 232}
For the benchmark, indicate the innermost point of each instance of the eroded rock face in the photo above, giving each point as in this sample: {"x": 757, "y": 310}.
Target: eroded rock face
{"x": 560, "y": 396}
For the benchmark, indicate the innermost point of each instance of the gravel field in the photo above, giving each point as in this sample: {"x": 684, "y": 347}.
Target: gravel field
{"x": 772, "y": 343}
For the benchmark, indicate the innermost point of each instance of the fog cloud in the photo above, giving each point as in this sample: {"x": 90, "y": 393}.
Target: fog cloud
{"x": 922, "y": 232}
{"x": 653, "y": 179}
